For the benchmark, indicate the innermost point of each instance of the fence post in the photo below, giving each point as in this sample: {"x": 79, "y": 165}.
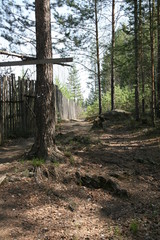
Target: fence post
{"x": 0, "y": 110}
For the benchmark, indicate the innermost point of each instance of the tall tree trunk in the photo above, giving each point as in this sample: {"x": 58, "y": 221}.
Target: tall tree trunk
{"x": 44, "y": 144}
{"x": 112, "y": 58}
{"x": 152, "y": 39}
{"x": 158, "y": 67}
{"x": 141, "y": 57}
{"x": 98, "y": 59}
{"x": 136, "y": 59}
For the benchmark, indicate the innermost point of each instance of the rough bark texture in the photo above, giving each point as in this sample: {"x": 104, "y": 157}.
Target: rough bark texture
{"x": 98, "y": 59}
{"x": 152, "y": 40}
{"x": 141, "y": 57}
{"x": 112, "y": 57}
{"x": 136, "y": 60}
{"x": 44, "y": 105}
{"x": 158, "y": 68}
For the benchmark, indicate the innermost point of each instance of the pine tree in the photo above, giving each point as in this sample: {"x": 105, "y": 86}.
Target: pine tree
{"x": 158, "y": 56}
{"x": 112, "y": 57}
{"x": 152, "y": 46}
{"x": 44, "y": 145}
{"x": 136, "y": 42}
{"x": 74, "y": 85}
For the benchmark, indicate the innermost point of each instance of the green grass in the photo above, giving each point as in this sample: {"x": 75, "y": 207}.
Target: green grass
{"x": 71, "y": 158}
{"x": 37, "y": 162}
{"x": 134, "y": 226}
{"x": 67, "y": 154}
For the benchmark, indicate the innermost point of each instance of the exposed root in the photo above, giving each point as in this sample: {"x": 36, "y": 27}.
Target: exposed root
{"x": 98, "y": 123}
{"x": 52, "y": 154}
{"x": 100, "y": 182}
{"x": 45, "y": 173}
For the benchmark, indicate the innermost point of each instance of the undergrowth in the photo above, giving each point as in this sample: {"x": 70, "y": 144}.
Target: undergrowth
{"x": 37, "y": 162}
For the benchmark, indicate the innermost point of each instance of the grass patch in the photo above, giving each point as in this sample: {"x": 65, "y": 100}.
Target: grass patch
{"x": 67, "y": 154}
{"x": 56, "y": 163}
{"x": 134, "y": 226}
{"x": 71, "y": 160}
{"x": 37, "y": 162}
{"x": 70, "y": 156}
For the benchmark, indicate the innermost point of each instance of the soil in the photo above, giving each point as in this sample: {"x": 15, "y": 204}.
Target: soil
{"x": 62, "y": 207}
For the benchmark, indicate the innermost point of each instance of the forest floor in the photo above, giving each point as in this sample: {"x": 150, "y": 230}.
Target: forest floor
{"x": 66, "y": 208}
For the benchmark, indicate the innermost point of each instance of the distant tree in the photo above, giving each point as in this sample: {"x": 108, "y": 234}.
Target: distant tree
{"x": 92, "y": 82}
{"x": 113, "y": 57}
{"x": 98, "y": 57}
{"x": 74, "y": 85}
{"x": 63, "y": 88}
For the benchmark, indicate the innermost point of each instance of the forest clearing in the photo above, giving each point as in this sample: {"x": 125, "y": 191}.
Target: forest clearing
{"x": 72, "y": 203}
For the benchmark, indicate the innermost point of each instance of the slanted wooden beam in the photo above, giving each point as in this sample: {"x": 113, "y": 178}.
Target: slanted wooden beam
{"x": 22, "y": 56}
{"x": 59, "y": 61}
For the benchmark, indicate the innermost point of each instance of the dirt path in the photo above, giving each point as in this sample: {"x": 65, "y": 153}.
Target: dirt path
{"x": 14, "y": 149}
{"x": 62, "y": 209}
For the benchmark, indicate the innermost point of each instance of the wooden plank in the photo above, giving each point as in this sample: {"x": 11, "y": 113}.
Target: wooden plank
{"x": 14, "y": 119}
{"x": 60, "y": 61}
{"x": 16, "y": 55}
{"x": 1, "y": 122}
{"x": 19, "y": 105}
{"x": 4, "y": 115}
{"x": 7, "y": 107}
{"x": 10, "y": 104}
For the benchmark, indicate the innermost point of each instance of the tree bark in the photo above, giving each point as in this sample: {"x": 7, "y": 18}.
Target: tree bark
{"x": 98, "y": 60}
{"x": 141, "y": 60}
{"x": 44, "y": 144}
{"x": 152, "y": 39}
{"x": 136, "y": 60}
{"x": 158, "y": 67}
{"x": 112, "y": 58}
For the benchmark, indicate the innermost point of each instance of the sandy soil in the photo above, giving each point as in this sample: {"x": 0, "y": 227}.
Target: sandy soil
{"x": 61, "y": 209}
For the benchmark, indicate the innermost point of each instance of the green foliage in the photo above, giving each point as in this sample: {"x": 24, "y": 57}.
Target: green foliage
{"x": 37, "y": 162}
{"x": 16, "y": 25}
{"x": 70, "y": 156}
{"x": 124, "y": 99}
{"x": 118, "y": 233}
{"x": 71, "y": 160}
{"x": 67, "y": 154}
{"x": 74, "y": 86}
{"x": 71, "y": 89}
{"x": 134, "y": 226}
{"x": 56, "y": 163}
{"x": 63, "y": 88}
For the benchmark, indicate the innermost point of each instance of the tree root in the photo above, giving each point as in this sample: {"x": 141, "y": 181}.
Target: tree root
{"x": 52, "y": 154}
{"x": 100, "y": 182}
{"x": 45, "y": 173}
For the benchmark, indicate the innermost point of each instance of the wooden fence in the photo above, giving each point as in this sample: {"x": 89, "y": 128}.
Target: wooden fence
{"x": 17, "y": 117}
{"x": 17, "y": 97}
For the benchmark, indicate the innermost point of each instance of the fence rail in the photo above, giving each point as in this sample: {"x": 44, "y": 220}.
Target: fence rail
{"x": 17, "y": 97}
